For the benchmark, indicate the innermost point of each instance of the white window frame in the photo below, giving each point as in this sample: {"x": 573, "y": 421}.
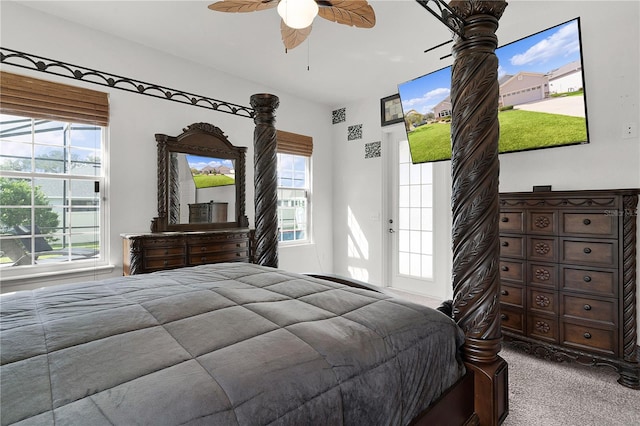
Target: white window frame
{"x": 77, "y": 265}
{"x": 307, "y": 192}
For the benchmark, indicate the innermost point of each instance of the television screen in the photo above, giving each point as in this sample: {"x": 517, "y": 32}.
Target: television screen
{"x": 541, "y": 103}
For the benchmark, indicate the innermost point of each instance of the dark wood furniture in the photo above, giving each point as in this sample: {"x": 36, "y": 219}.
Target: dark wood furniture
{"x": 203, "y": 234}
{"x": 205, "y": 141}
{"x": 143, "y": 253}
{"x": 568, "y": 276}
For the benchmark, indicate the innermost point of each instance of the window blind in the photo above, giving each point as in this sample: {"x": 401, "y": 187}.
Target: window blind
{"x": 293, "y": 143}
{"x": 32, "y": 97}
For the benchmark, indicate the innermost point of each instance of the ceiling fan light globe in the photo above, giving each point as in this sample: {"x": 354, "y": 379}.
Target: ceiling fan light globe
{"x": 297, "y": 14}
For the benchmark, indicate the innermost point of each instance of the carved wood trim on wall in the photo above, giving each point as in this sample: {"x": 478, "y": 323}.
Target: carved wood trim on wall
{"x": 102, "y": 78}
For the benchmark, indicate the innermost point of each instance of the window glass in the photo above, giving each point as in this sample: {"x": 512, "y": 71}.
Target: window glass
{"x": 293, "y": 198}
{"x": 50, "y": 211}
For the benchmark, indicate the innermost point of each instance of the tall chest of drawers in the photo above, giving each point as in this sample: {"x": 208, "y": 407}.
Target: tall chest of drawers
{"x": 568, "y": 276}
{"x": 151, "y": 252}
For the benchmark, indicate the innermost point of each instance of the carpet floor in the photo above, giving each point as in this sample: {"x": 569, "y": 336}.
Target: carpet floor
{"x": 549, "y": 393}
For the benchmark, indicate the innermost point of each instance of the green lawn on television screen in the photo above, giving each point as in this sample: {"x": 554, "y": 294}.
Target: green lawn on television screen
{"x": 519, "y": 130}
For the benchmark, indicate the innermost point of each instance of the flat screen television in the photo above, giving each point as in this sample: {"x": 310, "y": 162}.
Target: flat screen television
{"x": 542, "y": 101}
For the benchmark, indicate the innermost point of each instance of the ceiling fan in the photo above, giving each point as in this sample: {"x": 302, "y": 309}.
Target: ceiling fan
{"x": 297, "y": 15}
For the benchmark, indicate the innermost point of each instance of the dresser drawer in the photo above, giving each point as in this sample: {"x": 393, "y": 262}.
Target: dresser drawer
{"x": 542, "y": 249}
{"x": 542, "y": 301}
{"x": 209, "y": 247}
{"x": 512, "y": 295}
{"x": 543, "y": 275}
{"x": 542, "y": 327}
{"x": 583, "y": 223}
{"x": 203, "y": 258}
{"x": 589, "y": 281}
{"x": 164, "y": 251}
{"x": 585, "y": 337}
{"x": 601, "y": 310}
{"x": 512, "y": 270}
{"x": 512, "y": 247}
{"x": 589, "y": 252}
{"x": 219, "y": 238}
{"x": 157, "y": 263}
{"x": 512, "y": 319}
{"x": 511, "y": 221}
{"x": 542, "y": 222}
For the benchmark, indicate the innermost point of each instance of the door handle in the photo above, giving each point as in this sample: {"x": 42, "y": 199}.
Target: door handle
{"x": 391, "y": 231}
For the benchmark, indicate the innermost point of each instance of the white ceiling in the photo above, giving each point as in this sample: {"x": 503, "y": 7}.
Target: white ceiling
{"x": 345, "y": 63}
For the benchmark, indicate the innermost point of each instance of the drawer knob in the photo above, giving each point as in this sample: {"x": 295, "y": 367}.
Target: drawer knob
{"x": 505, "y": 268}
{"x": 166, "y": 251}
{"x": 203, "y": 248}
{"x": 504, "y": 219}
{"x": 587, "y": 222}
{"x": 238, "y": 255}
{"x": 504, "y": 293}
{"x": 587, "y": 250}
{"x": 587, "y": 335}
{"x": 586, "y": 279}
{"x": 505, "y": 244}
{"x": 504, "y": 316}
{"x": 203, "y": 258}
{"x": 587, "y": 307}
{"x": 165, "y": 263}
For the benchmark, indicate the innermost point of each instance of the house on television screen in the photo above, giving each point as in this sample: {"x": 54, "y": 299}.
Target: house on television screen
{"x": 567, "y": 78}
{"x": 522, "y": 88}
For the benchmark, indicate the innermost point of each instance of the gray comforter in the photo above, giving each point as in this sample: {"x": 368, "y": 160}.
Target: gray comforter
{"x": 221, "y": 344}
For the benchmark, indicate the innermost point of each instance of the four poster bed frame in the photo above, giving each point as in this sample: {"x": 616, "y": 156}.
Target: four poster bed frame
{"x": 481, "y": 396}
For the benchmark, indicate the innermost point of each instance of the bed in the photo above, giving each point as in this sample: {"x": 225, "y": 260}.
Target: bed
{"x": 164, "y": 348}
{"x": 231, "y": 343}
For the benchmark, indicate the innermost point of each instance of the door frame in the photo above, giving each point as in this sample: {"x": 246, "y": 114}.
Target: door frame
{"x": 441, "y": 285}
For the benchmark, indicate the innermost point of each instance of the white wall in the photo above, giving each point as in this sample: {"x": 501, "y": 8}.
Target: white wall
{"x": 611, "y": 66}
{"x": 134, "y": 119}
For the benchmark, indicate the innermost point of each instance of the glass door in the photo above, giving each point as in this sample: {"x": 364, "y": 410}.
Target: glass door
{"x": 410, "y": 222}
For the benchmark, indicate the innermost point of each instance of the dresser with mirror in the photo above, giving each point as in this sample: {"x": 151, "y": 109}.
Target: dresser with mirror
{"x": 201, "y": 205}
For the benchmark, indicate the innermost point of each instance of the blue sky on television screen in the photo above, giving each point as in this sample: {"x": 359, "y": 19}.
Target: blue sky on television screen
{"x": 541, "y": 52}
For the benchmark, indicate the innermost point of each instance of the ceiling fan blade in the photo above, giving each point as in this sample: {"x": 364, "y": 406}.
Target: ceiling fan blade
{"x": 292, "y": 37}
{"x": 243, "y": 5}
{"x": 356, "y": 13}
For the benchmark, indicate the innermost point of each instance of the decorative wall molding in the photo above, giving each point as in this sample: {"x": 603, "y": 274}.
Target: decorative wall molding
{"x": 76, "y": 72}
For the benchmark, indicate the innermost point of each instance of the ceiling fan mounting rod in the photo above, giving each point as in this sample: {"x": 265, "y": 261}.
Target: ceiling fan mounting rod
{"x": 446, "y": 15}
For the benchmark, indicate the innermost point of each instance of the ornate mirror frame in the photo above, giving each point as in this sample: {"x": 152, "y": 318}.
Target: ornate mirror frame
{"x": 201, "y": 139}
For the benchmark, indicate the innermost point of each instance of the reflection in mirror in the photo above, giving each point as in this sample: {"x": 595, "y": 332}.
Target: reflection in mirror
{"x": 205, "y": 189}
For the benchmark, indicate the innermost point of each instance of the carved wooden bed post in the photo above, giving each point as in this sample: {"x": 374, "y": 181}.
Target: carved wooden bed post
{"x": 475, "y": 202}
{"x": 265, "y": 179}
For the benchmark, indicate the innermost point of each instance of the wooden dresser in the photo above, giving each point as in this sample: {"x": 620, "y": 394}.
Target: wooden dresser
{"x": 568, "y": 276}
{"x": 150, "y": 252}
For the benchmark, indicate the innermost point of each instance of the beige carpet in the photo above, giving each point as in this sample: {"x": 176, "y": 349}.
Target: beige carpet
{"x": 548, "y": 393}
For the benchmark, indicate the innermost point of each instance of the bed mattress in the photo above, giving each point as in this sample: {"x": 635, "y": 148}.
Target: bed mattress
{"x": 223, "y": 344}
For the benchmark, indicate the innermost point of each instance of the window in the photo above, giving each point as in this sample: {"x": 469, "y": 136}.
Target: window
{"x": 294, "y": 154}
{"x": 51, "y": 174}
{"x": 415, "y": 217}
{"x": 293, "y": 191}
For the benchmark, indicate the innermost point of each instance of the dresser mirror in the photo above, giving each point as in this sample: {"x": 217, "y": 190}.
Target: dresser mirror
{"x": 201, "y": 181}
